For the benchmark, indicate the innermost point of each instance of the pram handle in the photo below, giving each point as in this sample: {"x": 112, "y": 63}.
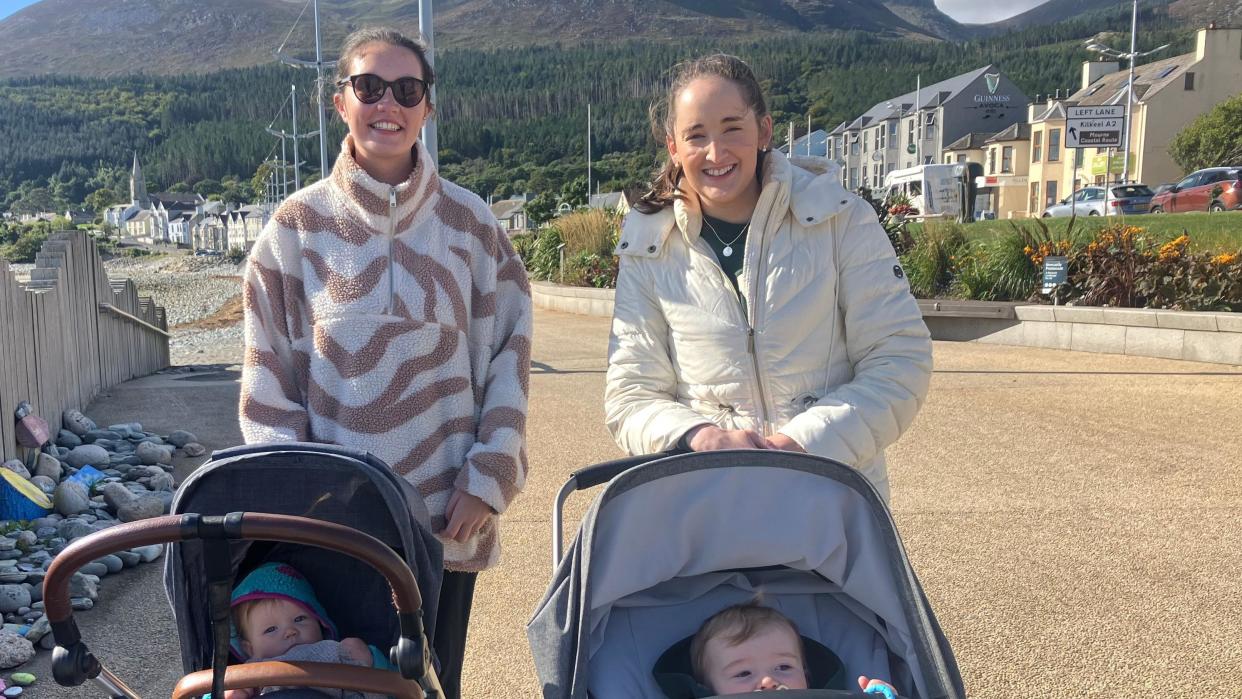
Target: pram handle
{"x": 590, "y": 477}
{"x": 73, "y": 663}
{"x": 290, "y": 674}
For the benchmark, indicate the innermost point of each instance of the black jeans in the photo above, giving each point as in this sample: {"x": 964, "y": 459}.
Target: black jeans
{"x": 452, "y": 619}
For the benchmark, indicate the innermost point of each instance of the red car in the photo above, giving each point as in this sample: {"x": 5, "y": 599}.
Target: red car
{"x": 1212, "y": 189}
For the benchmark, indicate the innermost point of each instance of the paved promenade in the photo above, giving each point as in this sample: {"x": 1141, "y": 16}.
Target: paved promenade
{"x": 1075, "y": 519}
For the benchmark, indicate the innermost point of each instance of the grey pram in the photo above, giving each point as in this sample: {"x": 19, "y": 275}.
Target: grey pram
{"x": 673, "y": 539}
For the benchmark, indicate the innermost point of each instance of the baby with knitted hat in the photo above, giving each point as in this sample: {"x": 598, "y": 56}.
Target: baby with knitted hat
{"x": 276, "y": 616}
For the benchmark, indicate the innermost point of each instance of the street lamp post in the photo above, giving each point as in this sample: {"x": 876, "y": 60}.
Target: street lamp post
{"x": 1132, "y": 56}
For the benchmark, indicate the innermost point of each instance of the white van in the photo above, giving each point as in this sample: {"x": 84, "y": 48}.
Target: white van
{"x": 933, "y": 190}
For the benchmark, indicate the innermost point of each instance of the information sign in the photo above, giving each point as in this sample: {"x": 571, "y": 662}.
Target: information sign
{"x": 1098, "y": 126}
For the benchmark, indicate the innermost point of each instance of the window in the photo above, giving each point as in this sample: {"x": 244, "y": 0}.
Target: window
{"x": 929, "y": 160}
{"x": 1166, "y": 72}
{"x": 1054, "y": 145}
{"x": 853, "y": 144}
{"x": 1037, "y": 146}
{"x": 1190, "y": 81}
{"x": 1007, "y": 159}
{"x": 875, "y": 175}
{"x": 880, "y": 138}
{"x": 1050, "y": 193}
{"x": 853, "y": 177}
{"x": 910, "y": 132}
{"x": 892, "y": 131}
{"x": 1191, "y": 181}
{"x": 961, "y": 158}
{"x": 866, "y": 141}
{"x": 991, "y": 161}
{"x": 1034, "y": 204}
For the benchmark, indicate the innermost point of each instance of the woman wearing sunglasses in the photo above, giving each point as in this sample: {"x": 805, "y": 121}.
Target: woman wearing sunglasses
{"x": 759, "y": 305}
{"x": 386, "y": 311}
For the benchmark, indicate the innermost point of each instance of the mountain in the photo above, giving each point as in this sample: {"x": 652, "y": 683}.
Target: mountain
{"x": 1054, "y": 11}
{"x": 925, "y": 15}
{"x": 112, "y": 37}
{"x": 1196, "y": 13}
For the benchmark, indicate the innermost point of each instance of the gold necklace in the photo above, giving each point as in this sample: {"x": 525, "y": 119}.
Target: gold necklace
{"x": 728, "y": 247}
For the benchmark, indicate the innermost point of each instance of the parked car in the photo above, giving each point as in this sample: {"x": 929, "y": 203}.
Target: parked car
{"x": 1106, "y": 200}
{"x": 1210, "y": 189}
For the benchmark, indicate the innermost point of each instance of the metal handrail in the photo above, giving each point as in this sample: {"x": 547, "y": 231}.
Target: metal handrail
{"x": 109, "y": 308}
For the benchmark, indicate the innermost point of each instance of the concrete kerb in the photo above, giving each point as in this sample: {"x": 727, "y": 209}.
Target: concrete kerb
{"x": 1140, "y": 332}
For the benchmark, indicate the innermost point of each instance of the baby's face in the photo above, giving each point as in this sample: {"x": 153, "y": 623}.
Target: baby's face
{"x": 771, "y": 659}
{"x": 276, "y": 626}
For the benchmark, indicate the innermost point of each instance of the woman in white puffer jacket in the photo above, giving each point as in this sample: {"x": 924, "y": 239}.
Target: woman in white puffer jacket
{"x": 759, "y": 304}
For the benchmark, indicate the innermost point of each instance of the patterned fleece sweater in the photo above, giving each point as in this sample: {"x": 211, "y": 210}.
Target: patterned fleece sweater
{"x": 395, "y": 320}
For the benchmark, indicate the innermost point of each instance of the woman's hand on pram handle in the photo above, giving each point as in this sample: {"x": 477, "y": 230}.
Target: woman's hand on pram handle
{"x": 466, "y": 514}
{"x": 784, "y": 443}
{"x": 712, "y": 438}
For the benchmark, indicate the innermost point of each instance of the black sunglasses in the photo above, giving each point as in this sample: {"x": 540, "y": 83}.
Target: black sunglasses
{"x": 369, "y": 88}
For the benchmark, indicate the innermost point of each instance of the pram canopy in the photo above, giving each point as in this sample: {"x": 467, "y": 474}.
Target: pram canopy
{"x": 322, "y": 482}
{"x": 669, "y": 543}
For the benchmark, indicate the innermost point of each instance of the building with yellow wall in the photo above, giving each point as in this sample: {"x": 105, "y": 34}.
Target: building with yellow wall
{"x": 1169, "y": 95}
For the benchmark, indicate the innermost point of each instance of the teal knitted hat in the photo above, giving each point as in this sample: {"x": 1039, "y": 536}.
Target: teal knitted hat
{"x": 278, "y": 581}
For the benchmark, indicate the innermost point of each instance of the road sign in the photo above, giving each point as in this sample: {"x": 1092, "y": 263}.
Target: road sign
{"x": 1098, "y": 126}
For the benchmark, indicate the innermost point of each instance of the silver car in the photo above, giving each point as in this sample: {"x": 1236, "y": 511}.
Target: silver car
{"x": 1088, "y": 201}
{"x": 1107, "y": 200}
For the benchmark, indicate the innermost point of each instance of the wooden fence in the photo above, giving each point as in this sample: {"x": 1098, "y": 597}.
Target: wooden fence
{"x": 70, "y": 332}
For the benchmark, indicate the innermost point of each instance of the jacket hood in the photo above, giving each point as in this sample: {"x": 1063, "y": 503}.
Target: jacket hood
{"x": 807, "y": 187}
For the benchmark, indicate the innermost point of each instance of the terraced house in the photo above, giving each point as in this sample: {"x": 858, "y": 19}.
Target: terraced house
{"x": 1169, "y": 94}
{"x": 914, "y": 128}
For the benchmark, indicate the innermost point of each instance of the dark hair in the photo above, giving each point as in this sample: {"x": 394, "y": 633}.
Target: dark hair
{"x": 664, "y": 187}
{"x": 735, "y": 625}
{"x": 354, "y": 43}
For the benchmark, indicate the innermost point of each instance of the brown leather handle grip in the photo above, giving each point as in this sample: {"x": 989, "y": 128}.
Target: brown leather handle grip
{"x": 254, "y": 525}
{"x": 281, "y": 674}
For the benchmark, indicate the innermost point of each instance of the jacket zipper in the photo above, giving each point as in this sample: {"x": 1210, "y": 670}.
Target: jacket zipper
{"x": 392, "y": 235}
{"x": 752, "y": 321}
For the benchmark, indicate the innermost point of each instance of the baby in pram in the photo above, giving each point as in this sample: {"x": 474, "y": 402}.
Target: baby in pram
{"x": 752, "y": 648}
{"x": 276, "y": 616}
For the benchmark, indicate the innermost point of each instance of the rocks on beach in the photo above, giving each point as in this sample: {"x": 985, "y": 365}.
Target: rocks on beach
{"x": 95, "y": 478}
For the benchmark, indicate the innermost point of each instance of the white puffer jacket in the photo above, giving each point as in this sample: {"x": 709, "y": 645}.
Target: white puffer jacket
{"x": 828, "y": 346}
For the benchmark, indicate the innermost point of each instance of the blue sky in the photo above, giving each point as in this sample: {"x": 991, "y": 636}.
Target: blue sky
{"x": 962, "y": 10}
{"x": 8, "y": 7}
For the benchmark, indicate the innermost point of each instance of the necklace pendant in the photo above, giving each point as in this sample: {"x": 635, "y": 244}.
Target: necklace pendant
{"x": 728, "y": 251}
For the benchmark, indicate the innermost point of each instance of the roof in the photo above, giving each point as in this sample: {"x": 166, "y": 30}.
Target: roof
{"x": 1149, "y": 79}
{"x": 1016, "y": 132}
{"x": 970, "y": 141}
{"x": 506, "y": 208}
{"x": 607, "y": 200}
{"x": 840, "y": 127}
{"x": 818, "y": 141}
{"x": 932, "y": 95}
{"x": 167, "y": 198}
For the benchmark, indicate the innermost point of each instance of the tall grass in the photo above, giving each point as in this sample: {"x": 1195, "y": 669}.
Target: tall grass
{"x": 589, "y": 231}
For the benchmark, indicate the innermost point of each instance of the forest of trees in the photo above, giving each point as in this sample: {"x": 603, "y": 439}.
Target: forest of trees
{"x": 511, "y": 120}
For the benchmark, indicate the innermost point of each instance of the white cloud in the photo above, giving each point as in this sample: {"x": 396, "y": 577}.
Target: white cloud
{"x": 976, "y": 12}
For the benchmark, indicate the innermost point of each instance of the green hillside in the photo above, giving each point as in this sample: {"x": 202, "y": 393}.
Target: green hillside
{"x": 511, "y": 120}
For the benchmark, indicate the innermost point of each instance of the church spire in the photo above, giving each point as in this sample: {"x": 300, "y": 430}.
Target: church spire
{"x": 137, "y": 184}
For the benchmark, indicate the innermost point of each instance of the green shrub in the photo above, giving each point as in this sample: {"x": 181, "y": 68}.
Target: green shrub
{"x": 523, "y": 245}
{"x": 591, "y": 269}
{"x": 929, "y": 263}
{"x": 235, "y": 255}
{"x": 544, "y": 261}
